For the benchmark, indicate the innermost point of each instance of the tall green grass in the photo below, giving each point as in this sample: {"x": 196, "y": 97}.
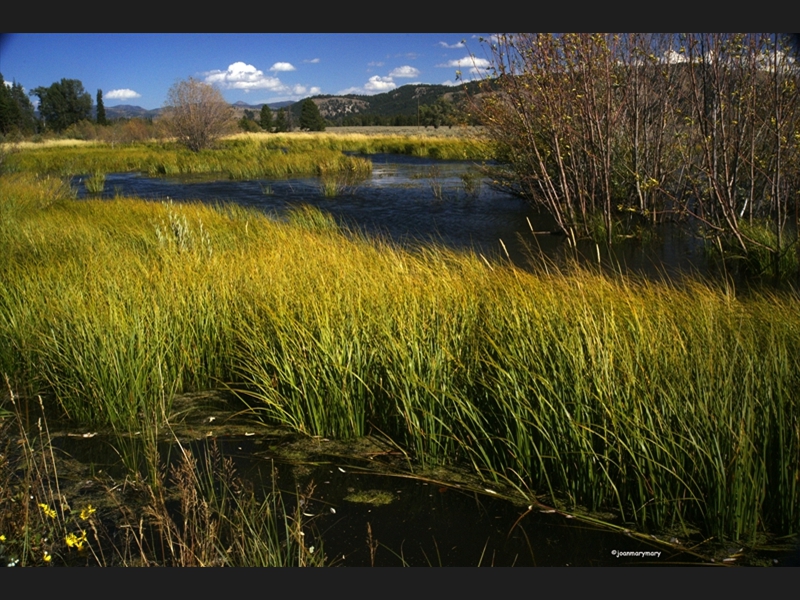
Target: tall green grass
{"x": 675, "y": 404}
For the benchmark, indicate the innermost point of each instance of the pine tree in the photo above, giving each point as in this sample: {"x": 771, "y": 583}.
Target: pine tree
{"x": 101, "y": 110}
{"x": 266, "y": 118}
{"x": 16, "y": 110}
{"x": 310, "y": 117}
{"x": 6, "y": 107}
{"x": 280, "y": 122}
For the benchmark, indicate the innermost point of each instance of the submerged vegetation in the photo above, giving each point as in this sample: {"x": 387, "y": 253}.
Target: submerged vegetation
{"x": 676, "y": 404}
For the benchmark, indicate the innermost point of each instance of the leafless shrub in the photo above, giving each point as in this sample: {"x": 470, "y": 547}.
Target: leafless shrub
{"x": 197, "y": 114}
{"x": 653, "y": 124}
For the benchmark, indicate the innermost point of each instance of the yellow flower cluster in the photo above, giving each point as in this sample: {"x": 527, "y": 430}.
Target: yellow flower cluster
{"x": 75, "y": 541}
{"x": 48, "y": 511}
{"x": 87, "y": 512}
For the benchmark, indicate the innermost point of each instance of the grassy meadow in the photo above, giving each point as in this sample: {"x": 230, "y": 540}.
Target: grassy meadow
{"x": 676, "y": 405}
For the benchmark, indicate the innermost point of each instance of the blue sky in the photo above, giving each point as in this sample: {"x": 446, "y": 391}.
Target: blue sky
{"x": 255, "y": 68}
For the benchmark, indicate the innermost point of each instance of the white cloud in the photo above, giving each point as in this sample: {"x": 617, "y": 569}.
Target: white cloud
{"x": 302, "y": 90}
{"x": 380, "y": 84}
{"x": 241, "y": 76}
{"x": 282, "y": 66}
{"x": 375, "y": 64}
{"x": 123, "y": 94}
{"x": 405, "y": 71}
{"x": 375, "y": 85}
{"x": 452, "y": 46}
{"x": 672, "y": 57}
{"x": 468, "y": 61}
{"x": 313, "y": 60}
{"x": 477, "y": 66}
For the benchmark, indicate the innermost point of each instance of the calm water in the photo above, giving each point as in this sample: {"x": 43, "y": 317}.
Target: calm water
{"x": 415, "y": 201}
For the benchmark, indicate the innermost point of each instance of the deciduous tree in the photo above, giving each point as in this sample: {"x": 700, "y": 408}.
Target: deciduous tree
{"x": 64, "y": 103}
{"x": 197, "y": 114}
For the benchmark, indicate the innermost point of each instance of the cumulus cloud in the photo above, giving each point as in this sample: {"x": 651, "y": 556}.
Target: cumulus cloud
{"x": 405, "y": 71}
{"x": 123, "y": 94}
{"x": 452, "y": 46}
{"x": 672, "y": 57}
{"x": 467, "y": 61}
{"x": 375, "y": 85}
{"x": 477, "y": 66}
{"x": 380, "y": 84}
{"x": 302, "y": 90}
{"x": 282, "y": 66}
{"x": 241, "y": 76}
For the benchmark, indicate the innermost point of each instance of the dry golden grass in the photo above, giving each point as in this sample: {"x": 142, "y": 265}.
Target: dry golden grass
{"x": 28, "y": 145}
{"x": 363, "y": 133}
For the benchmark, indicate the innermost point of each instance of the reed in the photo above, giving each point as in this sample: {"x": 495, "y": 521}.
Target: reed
{"x": 95, "y": 183}
{"x": 674, "y": 404}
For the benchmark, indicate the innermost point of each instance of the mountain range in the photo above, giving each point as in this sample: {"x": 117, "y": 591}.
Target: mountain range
{"x": 405, "y": 100}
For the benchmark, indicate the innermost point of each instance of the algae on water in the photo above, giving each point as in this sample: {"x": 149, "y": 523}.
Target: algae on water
{"x": 374, "y": 497}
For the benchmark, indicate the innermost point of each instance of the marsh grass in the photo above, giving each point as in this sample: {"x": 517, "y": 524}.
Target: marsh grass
{"x": 248, "y": 157}
{"x": 236, "y": 159}
{"x": 674, "y": 404}
{"x": 197, "y": 512}
{"x": 761, "y": 261}
{"x": 95, "y": 183}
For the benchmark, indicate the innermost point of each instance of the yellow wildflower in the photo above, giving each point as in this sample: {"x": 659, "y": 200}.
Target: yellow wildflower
{"x": 74, "y": 541}
{"x": 2, "y": 538}
{"x": 48, "y": 511}
{"x": 87, "y": 512}
{"x": 47, "y": 556}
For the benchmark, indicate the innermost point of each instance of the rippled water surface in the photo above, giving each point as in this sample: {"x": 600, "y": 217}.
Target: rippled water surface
{"x": 414, "y": 200}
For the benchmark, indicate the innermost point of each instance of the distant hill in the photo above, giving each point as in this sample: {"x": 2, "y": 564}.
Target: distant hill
{"x": 405, "y": 100}
{"x": 126, "y": 111}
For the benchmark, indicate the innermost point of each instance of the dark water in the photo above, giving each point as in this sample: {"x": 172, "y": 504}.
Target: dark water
{"x": 416, "y": 201}
{"x": 424, "y": 523}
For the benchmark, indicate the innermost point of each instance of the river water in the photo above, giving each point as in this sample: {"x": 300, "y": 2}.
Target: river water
{"x": 413, "y": 201}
